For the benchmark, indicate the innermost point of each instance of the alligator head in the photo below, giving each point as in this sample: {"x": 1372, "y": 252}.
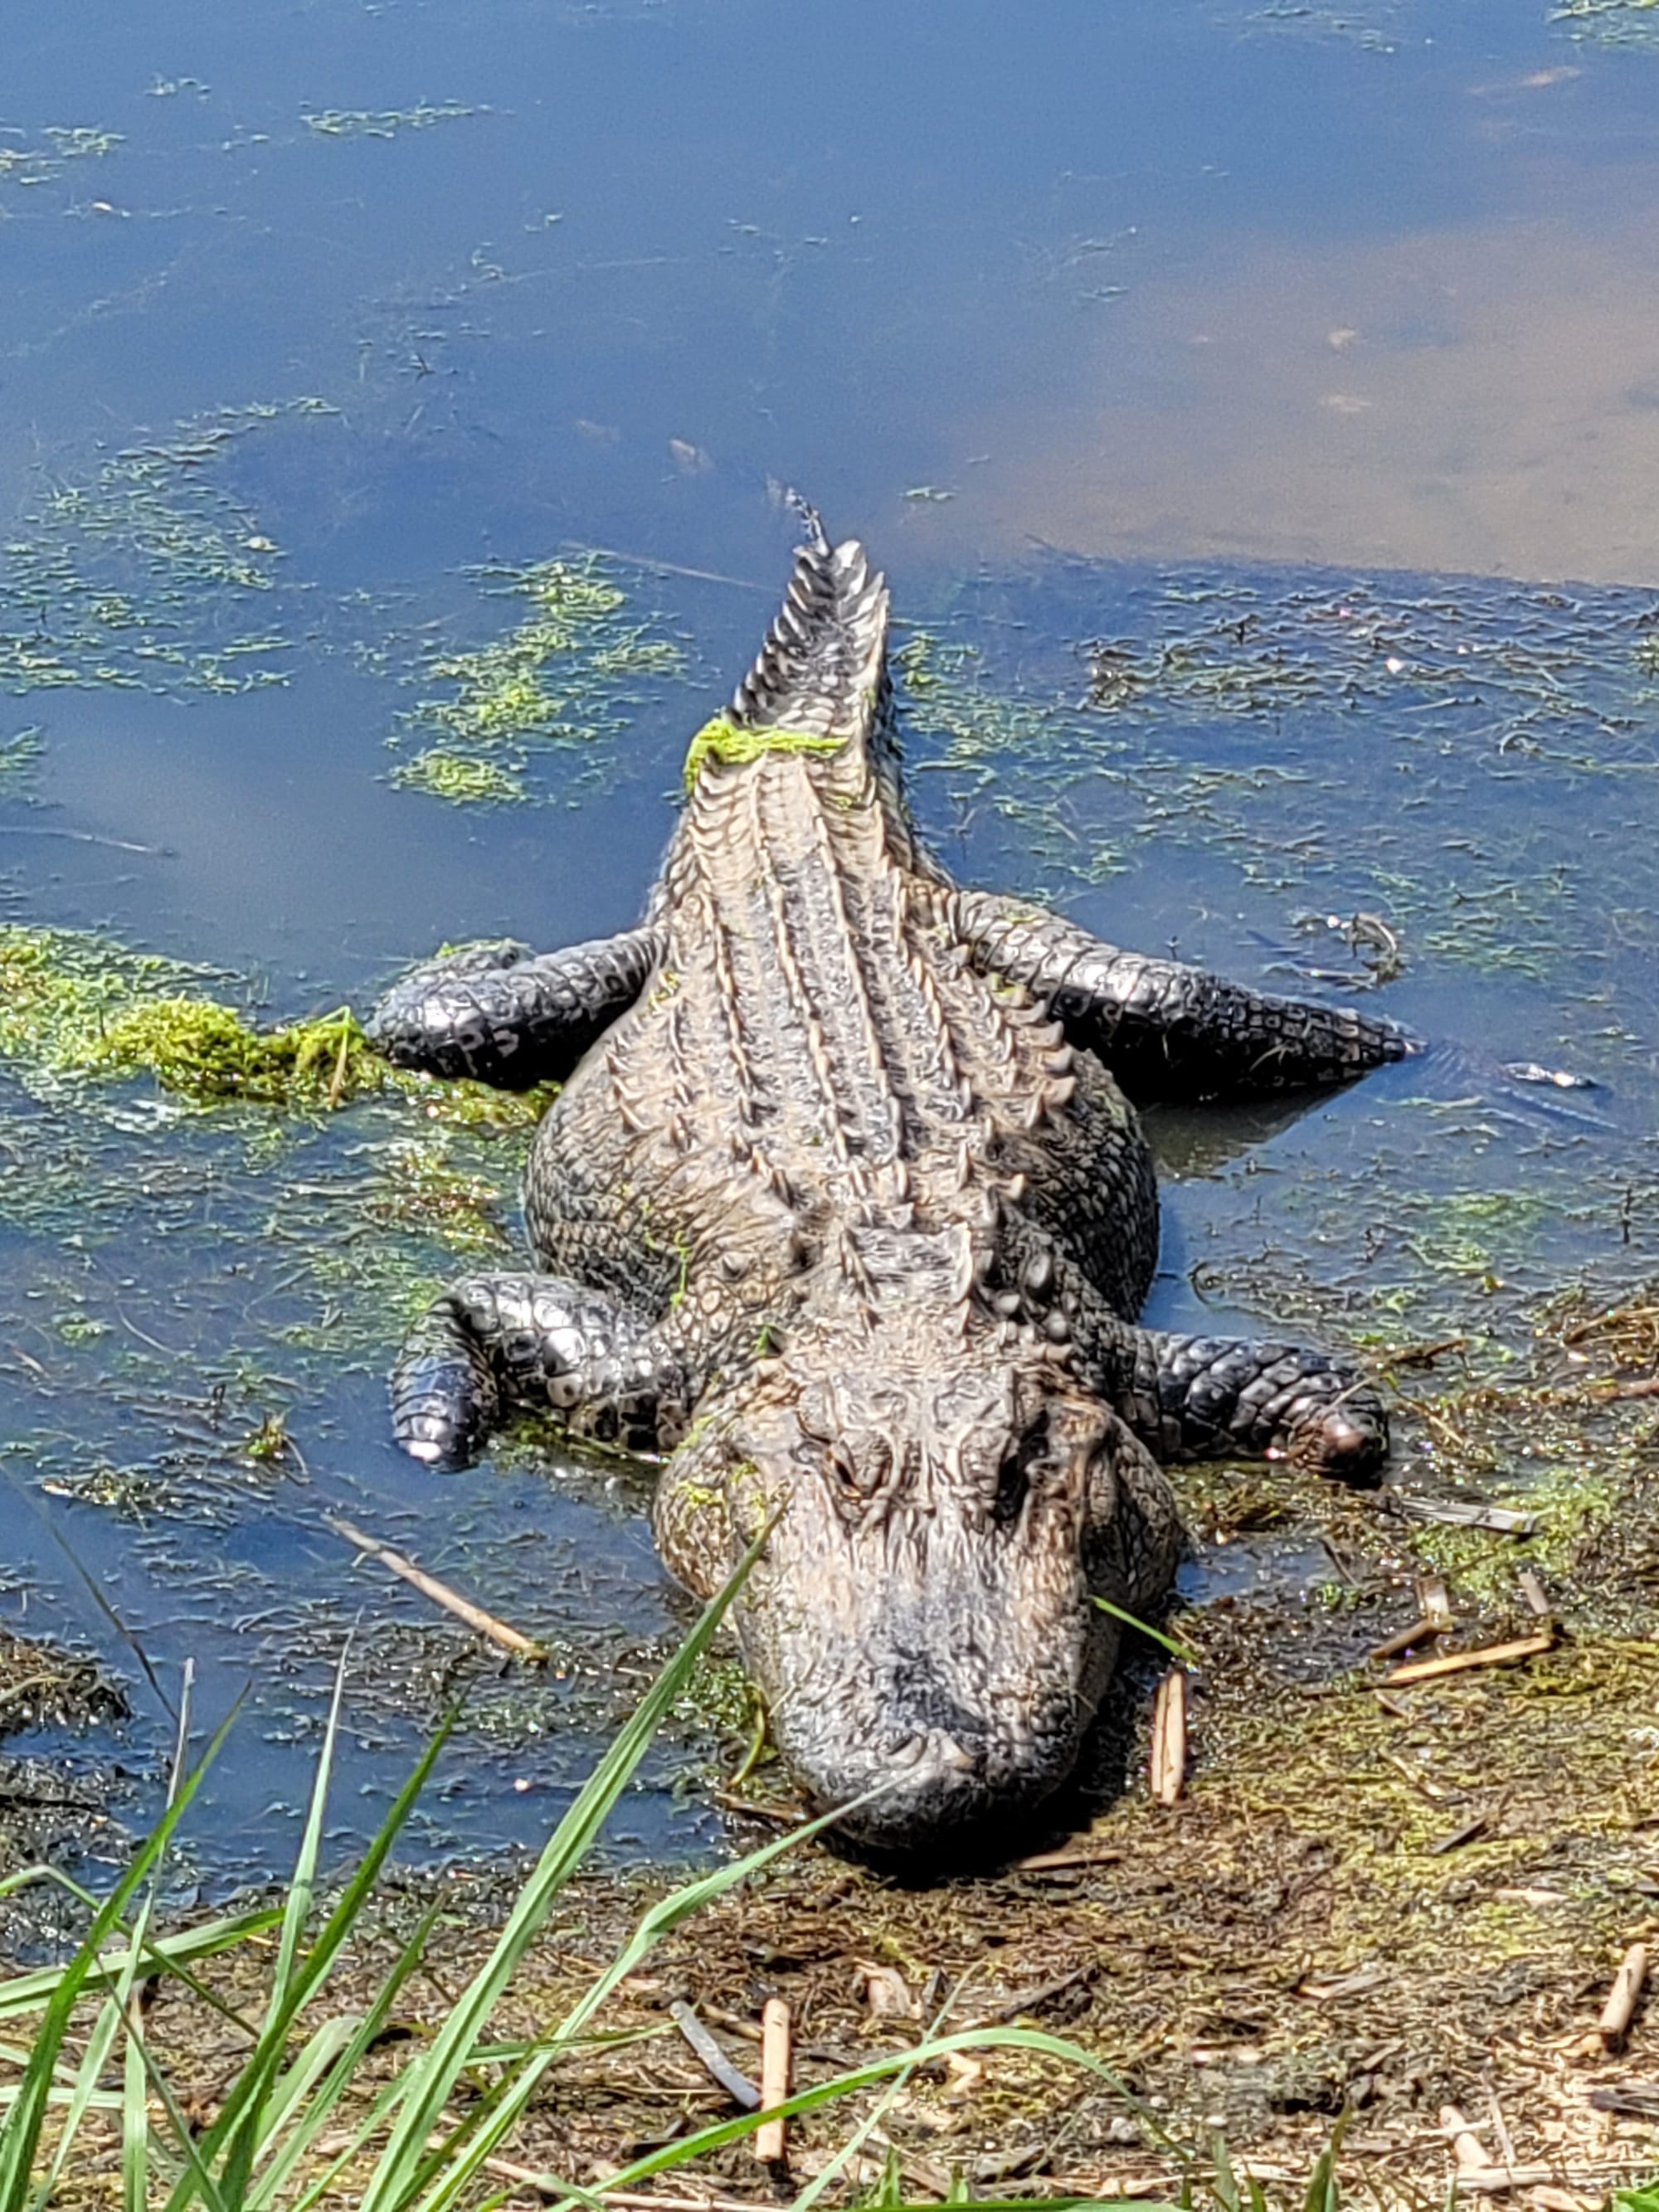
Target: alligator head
{"x": 919, "y": 1621}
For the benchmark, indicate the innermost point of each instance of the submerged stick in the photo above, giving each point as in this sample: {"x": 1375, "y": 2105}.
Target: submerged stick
{"x": 1458, "y": 1662}
{"x": 485, "y": 1624}
{"x": 1168, "y": 1759}
{"x": 777, "y": 2069}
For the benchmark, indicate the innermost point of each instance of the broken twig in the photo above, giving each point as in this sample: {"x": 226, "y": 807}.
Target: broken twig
{"x": 1621, "y": 2006}
{"x": 1537, "y": 1597}
{"x": 1458, "y": 1662}
{"x": 1420, "y": 1631}
{"x": 715, "y": 2063}
{"x": 1466, "y": 1513}
{"x": 485, "y": 1624}
{"x": 777, "y": 2069}
{"x": 1168, "y": 1759}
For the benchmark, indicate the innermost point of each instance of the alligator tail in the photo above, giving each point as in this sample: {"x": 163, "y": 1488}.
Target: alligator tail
{"x": 822, "y": 671}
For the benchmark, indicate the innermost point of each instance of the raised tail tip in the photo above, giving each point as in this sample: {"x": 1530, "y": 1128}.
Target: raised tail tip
{"x": 817, "y": 539}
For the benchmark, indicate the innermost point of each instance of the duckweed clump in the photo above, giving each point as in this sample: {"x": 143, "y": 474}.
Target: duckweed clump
{"x": 558, "y": 681}
{"x": 463, "y": 780}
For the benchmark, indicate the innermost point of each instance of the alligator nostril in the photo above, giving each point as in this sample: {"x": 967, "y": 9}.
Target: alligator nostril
{"x": 911, "y": 1752}
{"x": 949, "y": 1752}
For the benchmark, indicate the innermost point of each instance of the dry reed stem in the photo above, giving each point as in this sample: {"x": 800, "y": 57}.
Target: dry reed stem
{"x": 1169, "y": 1757}
{"x": 1459, "y": 1662}
{"x": 1621, "y": 2006}
{"x": 485, "y": 1624}
{"x": 777, "y": 2068}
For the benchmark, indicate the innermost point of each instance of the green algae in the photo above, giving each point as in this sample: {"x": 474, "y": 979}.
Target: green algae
{"x": 721, "y": 739}
{"x": 562, "y": 681}
{"x": 78, "y": 1009}
{"x": 20, "y": 756}
{"x": 25, "y": 163}
{"x": 462, "y": 779}
{"x": 386, "y": 122}
{"x": 146, "y": 575}
{"x": 1624, "y": 23}
{"x": 1253, "y": 719}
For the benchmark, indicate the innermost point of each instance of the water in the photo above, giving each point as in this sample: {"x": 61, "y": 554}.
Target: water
{"x": 1182, "y": 365}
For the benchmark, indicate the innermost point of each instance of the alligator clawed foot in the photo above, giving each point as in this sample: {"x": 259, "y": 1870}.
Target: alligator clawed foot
{"x": 1345, "y": 1440}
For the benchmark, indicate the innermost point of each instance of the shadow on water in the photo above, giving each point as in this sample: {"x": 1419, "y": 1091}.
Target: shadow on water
{"x": 393, "y": 394}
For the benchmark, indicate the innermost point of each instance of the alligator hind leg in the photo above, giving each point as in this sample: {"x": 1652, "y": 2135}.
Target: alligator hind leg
{"x": 492, "y": 1340}
{"x": 501, "y": 1016}
{"x": 1167, "y": 1031}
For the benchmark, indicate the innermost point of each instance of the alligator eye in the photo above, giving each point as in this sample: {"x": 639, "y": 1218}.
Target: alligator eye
{"x": 843, "y": 1466}
{"x": 1014, "y": 1475}
{"x": 860, "y": 1475}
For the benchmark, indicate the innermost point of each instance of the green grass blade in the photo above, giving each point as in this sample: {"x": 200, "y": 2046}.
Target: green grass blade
{"x": 406, "y": 2165}
{"x": 134, "y": 2131}
{"x": 303, "y": 1885}
{"x": 117, "y": 2011}
{"x": 317, "y": 2109}
{"x": 369, "y": 2126}
{"x": 28, "y": 1993}
{"x": 1172, "y": 1644}
{"x": 266, "y": 2057}
{"x": 256, "y": 2123}
{"x": 20, "y": 2136}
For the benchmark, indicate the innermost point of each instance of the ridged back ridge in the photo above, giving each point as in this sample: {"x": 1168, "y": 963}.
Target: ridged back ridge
{"x": 823, "y": 670}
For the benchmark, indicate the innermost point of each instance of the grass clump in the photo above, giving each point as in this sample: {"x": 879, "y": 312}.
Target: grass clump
{"x": 312, "y": 2112}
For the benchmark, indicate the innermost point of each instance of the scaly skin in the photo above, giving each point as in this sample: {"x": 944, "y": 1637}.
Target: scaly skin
{"x": 842, "y": 1208}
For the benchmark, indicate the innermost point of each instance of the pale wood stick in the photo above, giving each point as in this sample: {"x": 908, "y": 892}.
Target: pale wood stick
{"x": 1458, "y": 1662}
{"x": 476, "y": 1618}
{"x": 1168, "y": 1760}
{"x": 1499, "y": 2180}
{"x": 1467, "y": 2146}
{"x": 1432, "y": 1597}
{"x": 1621, "y": 2006}
{"x": 777, "y": 2056}
{"x": 1533, "y": 1590}
{"x": 1420, "y": 1631}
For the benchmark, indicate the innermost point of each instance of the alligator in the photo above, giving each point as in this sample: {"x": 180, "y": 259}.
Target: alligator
{"x": 844, "y": 1212}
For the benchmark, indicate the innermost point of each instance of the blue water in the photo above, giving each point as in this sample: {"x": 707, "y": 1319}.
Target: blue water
{"x": 1053, "y": 305}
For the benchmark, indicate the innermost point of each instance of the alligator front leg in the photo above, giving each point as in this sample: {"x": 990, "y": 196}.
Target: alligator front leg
{"x": 1167, "y": 1031}
{"x": 1212, "y": 1397}
{"x": 499, "y": 1015}
{"x": 495, "y": 1340}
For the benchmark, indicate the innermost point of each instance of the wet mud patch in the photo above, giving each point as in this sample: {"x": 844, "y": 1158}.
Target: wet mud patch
{"x": 58, "y": 1808}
